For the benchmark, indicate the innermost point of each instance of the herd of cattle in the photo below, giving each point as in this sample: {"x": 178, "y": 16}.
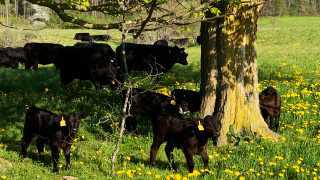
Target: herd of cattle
{"x": 96, "y": 62}
{"x": 101, "y": 65}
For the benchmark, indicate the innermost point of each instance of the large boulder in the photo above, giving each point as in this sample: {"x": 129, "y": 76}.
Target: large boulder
{"x": 40, "y": 16}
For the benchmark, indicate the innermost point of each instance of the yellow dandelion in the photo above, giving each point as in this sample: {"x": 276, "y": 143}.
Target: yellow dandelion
{"x": 168, "y": 177}
{"x": 177, "y": 177}
{"x": 195, "y": 173}
{"x": 129, "y": 173}
{"x": 237, "y": 173}
{"x": 120, "y": 172}
{"x": 242, "y": 178}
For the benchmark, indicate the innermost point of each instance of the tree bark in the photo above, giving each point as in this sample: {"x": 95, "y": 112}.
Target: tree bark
{"x": 238, "y": 76}
{"x": 208, "y": 65}
{"x": 229, "y": 71}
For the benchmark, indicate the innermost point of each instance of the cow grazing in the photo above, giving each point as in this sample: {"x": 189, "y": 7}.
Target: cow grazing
{"x": 11, "y": 57}
{"x": 153, "y": 59}
{"x": 270, "y": 105}
{"x": 83, "y": 37}
{"x": 40, "y": 53}
{"x": 105, "y": 37}
{"x": 94, "y": 62}
{"x": 190, "y": 135}
{"x": 161, "y": 42}
{"x": 56, "y": 130}
{"x": 187, "y": 98}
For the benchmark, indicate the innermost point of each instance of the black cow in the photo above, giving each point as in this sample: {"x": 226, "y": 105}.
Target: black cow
{"x": 83, "y": 37}
{"x": 161, "y": 42}
{"x": 145, "y": 103}
{"x": 152, "y": 59}
{"x": 56, "y": 130}
{"x": 187, "y": 98}
{"x": 105, "y": 37}
{"x": 270, "y": 105}
{"x": 11, "y": 57}
{"x": 40, "y": 53}
{"x": 94, "y": 62}
{"x": 190, "y": 135}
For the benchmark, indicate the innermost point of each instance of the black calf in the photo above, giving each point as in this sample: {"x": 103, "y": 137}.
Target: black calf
{"x": 270, "y": 105}
{"x": 56, "y": 130}
{"x": 189, "y": 135}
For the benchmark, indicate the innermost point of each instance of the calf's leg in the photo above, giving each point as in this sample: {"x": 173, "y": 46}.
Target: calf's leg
{"x": 55, "y": 155}
{"x": 25, "y": 142}
{"x": 67, "y": 155}
{"x": 153, "y": 152}
{"x": 40, "y": 145}
{"x": 189, "y": 157}
{"x": 169, "y": 152}
{"x": 204, "y": 156}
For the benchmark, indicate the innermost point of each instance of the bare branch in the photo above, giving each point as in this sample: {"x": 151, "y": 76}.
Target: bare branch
{"x": 144, "y": 23}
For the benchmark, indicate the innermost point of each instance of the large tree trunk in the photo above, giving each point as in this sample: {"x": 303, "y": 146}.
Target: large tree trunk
{"x": 208, "y": 66}
{"x": 237, "y": 100}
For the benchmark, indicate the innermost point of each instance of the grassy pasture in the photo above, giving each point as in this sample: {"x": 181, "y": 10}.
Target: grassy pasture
{"x": 288, "y": 58}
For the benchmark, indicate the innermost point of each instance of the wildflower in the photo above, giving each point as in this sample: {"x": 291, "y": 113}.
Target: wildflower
{"x": 195, "y": 173}
{"x": 280, "y": 158}
{"x": 242, "y": 178}
{"x": 177, "y": 177}
{"x": 228, "y": 171}
{"x": 237, "y": 173}
{"x": 129, "y": 173}
{"x": 120, "y": 172}
{"x": 281, "y": 174}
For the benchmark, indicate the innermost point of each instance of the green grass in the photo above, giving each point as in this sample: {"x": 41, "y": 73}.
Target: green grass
{"x": 288, "y": 58}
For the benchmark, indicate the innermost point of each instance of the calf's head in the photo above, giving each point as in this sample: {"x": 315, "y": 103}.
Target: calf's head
{"x": 71, "y": 122}
{"x": 268, "y": 94}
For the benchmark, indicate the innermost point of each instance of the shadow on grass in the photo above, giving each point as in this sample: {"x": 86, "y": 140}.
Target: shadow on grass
{"x": 44, "y": 158}
{"x": 159, "y": 164}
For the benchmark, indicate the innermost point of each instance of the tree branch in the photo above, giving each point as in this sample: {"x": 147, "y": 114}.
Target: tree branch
{"x": 144, "y": 23}
{"x": 108, "y": 7}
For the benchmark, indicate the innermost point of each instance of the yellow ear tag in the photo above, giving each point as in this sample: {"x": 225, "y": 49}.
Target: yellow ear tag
{"x": 62, "y": 122}
{"x": 113, "y": 82}
{"x": 200, "y": 127}
{"x": 173, "y": 102}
